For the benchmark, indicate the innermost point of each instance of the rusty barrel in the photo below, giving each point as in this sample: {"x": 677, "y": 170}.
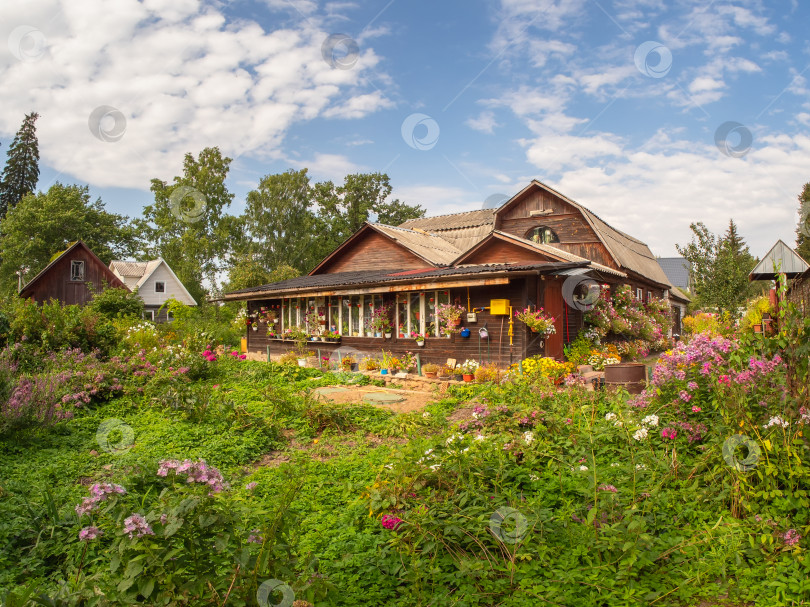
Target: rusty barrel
{"x": 630, "y": 376}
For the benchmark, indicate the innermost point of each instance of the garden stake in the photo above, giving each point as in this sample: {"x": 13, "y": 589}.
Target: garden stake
{"x": 268, "y": 353}
{"x": 418, "y": 364}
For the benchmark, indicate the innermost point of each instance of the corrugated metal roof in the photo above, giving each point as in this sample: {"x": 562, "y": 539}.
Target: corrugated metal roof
{"x": 455, "y": 221}
{"x": 677, "y": 270}
{"x": 781, "y": 258}
{"x": 354, "y": 279}
{"x": 430, "y": 247}
{"x": 128, "y": 268}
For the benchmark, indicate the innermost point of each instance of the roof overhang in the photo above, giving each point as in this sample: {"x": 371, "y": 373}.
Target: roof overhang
{"x": 396, "y": 282}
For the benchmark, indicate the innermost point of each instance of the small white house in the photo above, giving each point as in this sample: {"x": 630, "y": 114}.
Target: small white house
{"x": 155, "y": 282}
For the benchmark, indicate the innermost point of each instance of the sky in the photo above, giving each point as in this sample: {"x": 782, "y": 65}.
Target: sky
{"x": 653, "y": 114}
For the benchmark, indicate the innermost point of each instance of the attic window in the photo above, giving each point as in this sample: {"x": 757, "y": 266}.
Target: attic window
{"x": 160, "y": 286}
{"x": 76, "y": 270}
{"x": 542, "y": 235}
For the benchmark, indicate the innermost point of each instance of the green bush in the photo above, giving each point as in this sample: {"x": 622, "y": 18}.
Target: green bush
{"x": 117, "y": 303}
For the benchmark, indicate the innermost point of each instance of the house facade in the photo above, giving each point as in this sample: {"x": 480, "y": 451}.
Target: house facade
{"x": 71, "y": 278}
{"x": 539, "y": 249}
{"x": 155, "y": 283}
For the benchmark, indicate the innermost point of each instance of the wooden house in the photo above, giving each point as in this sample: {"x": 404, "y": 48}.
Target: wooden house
{"x": 535, "y": 250}
{"x": 155, "y": 282}
{"x": 72, "y": 278}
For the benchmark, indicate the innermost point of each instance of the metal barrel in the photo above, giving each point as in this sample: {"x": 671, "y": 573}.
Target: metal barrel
{"x": 630, "y": 376}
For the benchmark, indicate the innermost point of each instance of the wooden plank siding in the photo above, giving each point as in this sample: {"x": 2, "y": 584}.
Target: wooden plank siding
{"x": 575, "y": 234}
{"x": 55, "y": 282}
{"x": 498, "y": 251}
{"x": 519, "y": 291}
{"x": 373, "y": 251}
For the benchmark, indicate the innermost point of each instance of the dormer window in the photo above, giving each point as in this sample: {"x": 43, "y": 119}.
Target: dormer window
{"x": 77, "y": 270}
{"x": 542, "y": 235}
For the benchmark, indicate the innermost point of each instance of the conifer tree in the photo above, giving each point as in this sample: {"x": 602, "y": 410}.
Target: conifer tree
{"x": 21, "y": 173}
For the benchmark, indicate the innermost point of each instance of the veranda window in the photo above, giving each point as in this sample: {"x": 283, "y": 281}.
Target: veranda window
{"x": 416, "y": 312}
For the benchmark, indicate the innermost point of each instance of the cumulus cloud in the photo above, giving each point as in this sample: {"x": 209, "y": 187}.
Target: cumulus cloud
{"x": 484, "y": 122}
{"x": 183, "y": 76}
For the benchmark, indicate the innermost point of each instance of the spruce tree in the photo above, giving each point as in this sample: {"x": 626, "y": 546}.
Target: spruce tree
{"x": 803, "y": 229}
{"x": 21, "y": 173}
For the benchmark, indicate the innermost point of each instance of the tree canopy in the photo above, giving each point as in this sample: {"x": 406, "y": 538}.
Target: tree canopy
{"x": 720, "y": 267}
{"x": 43, "y": 224}
{"x": 803, "y": 229}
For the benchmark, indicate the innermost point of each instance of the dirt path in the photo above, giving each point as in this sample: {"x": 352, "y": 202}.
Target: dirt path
{"x": 396, "y": 400}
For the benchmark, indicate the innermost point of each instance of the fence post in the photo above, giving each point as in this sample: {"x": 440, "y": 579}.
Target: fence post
{"x": 418, "y": 364}
{"x": 268, "y": 353}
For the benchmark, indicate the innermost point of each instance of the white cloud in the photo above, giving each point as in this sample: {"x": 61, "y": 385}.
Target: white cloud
{"x": 322, "y": 167}
{"x": 183, "y": 77}
{"x": 438, "y": 200}
{"x": 484, "y": 122}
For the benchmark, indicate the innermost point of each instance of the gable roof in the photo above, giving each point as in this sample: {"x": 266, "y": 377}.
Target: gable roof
{"x": 626, "y": 251}
{"x": 462, "y": 230}
{"x": 112, "y": 279}
{"x": 786, "y": 260}
{"x": 143, "y": 270}
{"x": 430, "y": 248}
{"x": 677, "y": 269}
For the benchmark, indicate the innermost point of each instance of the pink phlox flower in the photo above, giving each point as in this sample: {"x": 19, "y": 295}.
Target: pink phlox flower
{"x": 136, "y": 525}
{"x": 90, "y": 533}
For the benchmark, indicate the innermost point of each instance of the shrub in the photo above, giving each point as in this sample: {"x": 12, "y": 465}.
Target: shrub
{"x": 117, "y": 302}
{"x": 430, "y": 368}
{"x": 289, "y": 358}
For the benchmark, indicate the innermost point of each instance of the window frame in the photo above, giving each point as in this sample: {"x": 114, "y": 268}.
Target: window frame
{"x": 530, "y": 232}
{"x": 74, "y": 264}
{"x": 162, "y": 283}
{"x": 151, "y": 314}
{"x": 639, "y": 294}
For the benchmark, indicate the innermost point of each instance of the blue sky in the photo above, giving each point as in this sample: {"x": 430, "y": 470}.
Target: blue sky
{"x": 653, "y": 114}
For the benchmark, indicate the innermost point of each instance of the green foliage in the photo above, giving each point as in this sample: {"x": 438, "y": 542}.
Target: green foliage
{"x": 46, "y": 223}
{"x": 803, "y": 227}
{"x": 21, "y": 172}
{"x": 117, "y": 303}
{"x": 187, "y": 225}
{"x": 720, "y": 267}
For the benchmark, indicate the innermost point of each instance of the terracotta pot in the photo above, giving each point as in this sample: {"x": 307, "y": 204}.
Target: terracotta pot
{"x": 757, "y": 328}
{"x": 430, "y": 375}
{"x": 467, "y": 377}
{"x": 454, "y": 323}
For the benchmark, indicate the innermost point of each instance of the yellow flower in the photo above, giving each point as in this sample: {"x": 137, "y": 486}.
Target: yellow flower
{"x": 315, "y": 441}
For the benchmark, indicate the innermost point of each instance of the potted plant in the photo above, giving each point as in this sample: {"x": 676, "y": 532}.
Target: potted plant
{"x": 468, "y": 368}
{"x": 430, "y": 370}
{"x": 381, "y": 321}
{"x": 538, "y": 321}
{"x": 419, "y": 338}
{"x": 371, "y": 364}
{"x": 449, "y": 316}
{"x": 313, "y": 323}
{"x": 347, "y": 362}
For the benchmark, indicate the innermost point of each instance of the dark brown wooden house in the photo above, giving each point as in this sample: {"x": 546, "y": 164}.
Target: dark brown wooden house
{"x": 531, "y": 251}
{"x": 71, "y": 278}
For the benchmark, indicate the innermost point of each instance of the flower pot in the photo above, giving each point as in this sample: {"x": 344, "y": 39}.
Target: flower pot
{"x": 420, "y": 343}
{"x": 377, "y": 334}
{"x": 388, "y": 335}
{"x": 458, "y": 377}
{"x": 757, "y": 328}
{"x": 302, "y": 362}
{"x": 454, "y": 323}
{"x": 430, "y": 375}
{"x": 467, "y": 376}
{"x": 383, "y": 371}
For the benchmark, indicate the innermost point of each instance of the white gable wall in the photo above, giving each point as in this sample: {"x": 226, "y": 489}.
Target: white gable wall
{"x": 173, "y": 289}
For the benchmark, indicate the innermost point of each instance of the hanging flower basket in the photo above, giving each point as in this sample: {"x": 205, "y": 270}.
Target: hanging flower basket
{"x": 537, "y": 321}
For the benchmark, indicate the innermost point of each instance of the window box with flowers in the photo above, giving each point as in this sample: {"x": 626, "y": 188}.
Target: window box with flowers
{"x": 538, "y": 321}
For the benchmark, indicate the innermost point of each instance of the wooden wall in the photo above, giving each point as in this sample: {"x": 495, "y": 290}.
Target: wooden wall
{"x": 498, "y": 251}
{"x": 373, "y": 251}
{"x": 438, "y": 350}
{"x": 576, "y": 235}
{"x": 56, "y": 283}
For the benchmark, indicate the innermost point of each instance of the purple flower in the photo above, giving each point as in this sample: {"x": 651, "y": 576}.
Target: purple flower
{"x": 136, "y": 524}
{"x": 791, "y": 537}
{"x": 609, "y": 488}
{"x": 255, "y": 538}
{"x": 90, "y": 533}
{"x": 251, "y": 486}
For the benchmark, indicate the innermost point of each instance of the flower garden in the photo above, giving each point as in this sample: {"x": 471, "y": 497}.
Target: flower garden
{"x": 153, "y": 465}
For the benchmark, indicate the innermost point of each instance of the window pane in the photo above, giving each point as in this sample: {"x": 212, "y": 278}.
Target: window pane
{"x": 415, "y": 316}
{"x": 402, "y": 314}
{"x": 344, "y": 329}
{"x": 334, "y": 314}
{"x": 355, "y": 317}
{"x": 430, "y": 312}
